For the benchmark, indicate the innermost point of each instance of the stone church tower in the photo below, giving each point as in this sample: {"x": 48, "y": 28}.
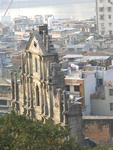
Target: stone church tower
{"x": 41, "y": 80}
{"x": 41, "y": 88}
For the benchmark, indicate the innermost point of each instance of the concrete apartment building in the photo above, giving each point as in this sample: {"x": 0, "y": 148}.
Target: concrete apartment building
{"x": 104, "y": 12}
{"x": 5, "y": 97}
{"x": 102, "y": 101}
{"x": 81, "y": 85}
{"x": 82, "y": 82}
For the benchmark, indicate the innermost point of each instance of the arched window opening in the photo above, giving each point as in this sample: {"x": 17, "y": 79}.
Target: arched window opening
{"x": 36, "y": 65}
{"x": 37, "y": 96}
{"x": 27, "y": 67}
{"x": 35, "y": 44}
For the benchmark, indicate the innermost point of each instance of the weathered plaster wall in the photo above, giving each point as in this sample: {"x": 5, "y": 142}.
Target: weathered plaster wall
{"x": 99, "y": 129}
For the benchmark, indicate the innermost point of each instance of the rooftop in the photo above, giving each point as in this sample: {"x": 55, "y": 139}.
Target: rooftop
{"x": 4, "y": 82}
{"x": 97, "y": 117}
{"x": 72, "y": 56}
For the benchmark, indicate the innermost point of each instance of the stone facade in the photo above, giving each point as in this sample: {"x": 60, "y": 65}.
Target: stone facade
{"x": 40, "y": 93}
{"x": 41, "y": 77}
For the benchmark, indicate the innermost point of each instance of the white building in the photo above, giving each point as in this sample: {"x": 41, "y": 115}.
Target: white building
{"x": 104, "y": 11}
{"x": 5, "y": 97}
{"x": 89, "y": 85}
{"x": 82, "y": 84}
{"x": 89, "y": 88}
{"x": 102, "y": 102}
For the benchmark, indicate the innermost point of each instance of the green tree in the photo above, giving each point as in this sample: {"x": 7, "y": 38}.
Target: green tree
{"x": 20, "y": 133}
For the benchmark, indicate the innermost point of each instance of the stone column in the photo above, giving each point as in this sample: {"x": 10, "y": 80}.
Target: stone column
{"x": 44, "y": 69}
{"x": 32, "y": 113}
{"x": 50, "y": 97}
{"x": 45, "y": 100}
{"x": 65, "y": 107}
{"x": 16, "y": 95}
{"x": 27, "y": 91}
{"x": 41, "y": 99}
{"x": 24, "y": 73}
{"x": 12, "y": 86}
{"x": 13, "y": 90}
{"x": 58, "y": 106}
{"x": 24, "y": 93}
{"x": 22, "y": 63}
{"x": 40, "y": 67}
{"x": 75, "y": 121}
{"x": 29, "y": 64}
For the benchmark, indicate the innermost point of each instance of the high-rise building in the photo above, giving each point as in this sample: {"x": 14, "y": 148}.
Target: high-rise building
{"x": 104, "y": 13}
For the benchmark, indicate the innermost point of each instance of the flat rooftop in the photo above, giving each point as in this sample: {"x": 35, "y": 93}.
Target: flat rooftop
{"x": 97, "y": 117}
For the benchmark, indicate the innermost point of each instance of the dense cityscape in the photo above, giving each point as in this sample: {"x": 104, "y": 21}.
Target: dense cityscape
{"x": 61, "y": 69}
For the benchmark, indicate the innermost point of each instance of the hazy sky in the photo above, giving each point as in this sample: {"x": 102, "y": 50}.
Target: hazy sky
{"x": 50, "y": 1}
{"x": 22, "y": 3}
{"x": 76, "y": 8}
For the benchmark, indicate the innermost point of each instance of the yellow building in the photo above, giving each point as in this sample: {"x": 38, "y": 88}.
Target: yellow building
{"x": 75, "y": 87}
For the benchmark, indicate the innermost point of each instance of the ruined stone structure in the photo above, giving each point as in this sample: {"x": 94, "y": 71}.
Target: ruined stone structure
{"x": 41, "y": 89}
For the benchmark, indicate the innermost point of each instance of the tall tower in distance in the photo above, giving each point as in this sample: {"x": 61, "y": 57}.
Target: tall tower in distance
{"x": 104, "y": 14}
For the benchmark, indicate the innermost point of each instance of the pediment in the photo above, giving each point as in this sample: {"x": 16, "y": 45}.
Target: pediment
{"x": 34, "y": 46}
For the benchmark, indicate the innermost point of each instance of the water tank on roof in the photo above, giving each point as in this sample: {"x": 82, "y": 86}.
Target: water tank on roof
{"x": 76, "y": 67}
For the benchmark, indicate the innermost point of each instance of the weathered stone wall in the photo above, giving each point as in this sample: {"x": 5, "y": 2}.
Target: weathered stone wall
{"x": 99, "y": 129}
{"x": 75, "y": 121}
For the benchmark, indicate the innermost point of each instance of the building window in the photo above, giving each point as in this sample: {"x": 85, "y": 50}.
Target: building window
{"x": 36, "y": 65}
{"x": 111, "y": 106}
{"x": 110, "y": 32}
{"x": 37, "y": 96}
{"x": 102, "y": 32}
{"x": 101, "y": 9}
{"x": 27, "y": 67}
{"x": 102, "y": 24}
{"x": 101, "y": 17}
{"x": 111, "y": 92}
{"x": 76, "y": 88}
{"x": 99, "y": 82}
{"x": 109, "y": 16}
{"x": 3, "y": 102}
{"x": 109, "y": 9}
{"x": 67, "y": 87}
{"x": 35, "y": 44}
{"x": 110, "y": 24}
